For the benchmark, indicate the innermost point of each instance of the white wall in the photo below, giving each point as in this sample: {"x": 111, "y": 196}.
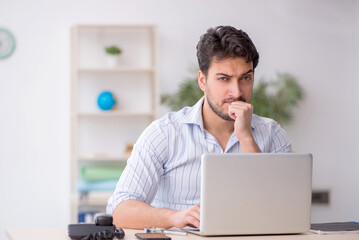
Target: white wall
{"x": 357, "y": 86}
{"x": 322, "y": 56}
{"x": 314, "y": 40}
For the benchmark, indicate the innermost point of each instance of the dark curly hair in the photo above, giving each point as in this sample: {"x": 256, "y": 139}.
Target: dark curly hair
{"x": 223, "y": 42}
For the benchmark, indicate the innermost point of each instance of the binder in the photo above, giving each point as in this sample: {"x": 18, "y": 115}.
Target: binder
{"x": 335, "y": 228}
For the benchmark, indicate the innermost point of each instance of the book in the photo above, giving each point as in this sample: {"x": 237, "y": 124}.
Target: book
{"x": 87, "y": 186}
{"x": 335, "y": 228}
{"x": 99, "y": 173}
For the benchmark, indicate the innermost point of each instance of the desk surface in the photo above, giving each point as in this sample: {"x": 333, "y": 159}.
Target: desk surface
{"x": 61, "y": 234}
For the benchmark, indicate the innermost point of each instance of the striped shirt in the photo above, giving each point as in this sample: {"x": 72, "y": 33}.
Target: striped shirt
{"x": 164, "y": 167}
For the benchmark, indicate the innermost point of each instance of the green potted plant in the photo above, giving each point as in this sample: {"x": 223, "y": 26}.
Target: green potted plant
{"x": 275, "y": 99}
{"x": 113, "y": 52}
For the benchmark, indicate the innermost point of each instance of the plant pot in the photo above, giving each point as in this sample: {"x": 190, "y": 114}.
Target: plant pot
{"x": 112, "y": 60}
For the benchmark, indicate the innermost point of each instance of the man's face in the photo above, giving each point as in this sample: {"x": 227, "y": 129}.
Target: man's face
{"x": 227, "y": 81}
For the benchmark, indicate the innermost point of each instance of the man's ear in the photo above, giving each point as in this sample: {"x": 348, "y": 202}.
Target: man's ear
{"x": 202, "y": 81}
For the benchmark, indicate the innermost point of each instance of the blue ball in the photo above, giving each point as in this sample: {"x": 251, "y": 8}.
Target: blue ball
{"x": 106, "y": 100}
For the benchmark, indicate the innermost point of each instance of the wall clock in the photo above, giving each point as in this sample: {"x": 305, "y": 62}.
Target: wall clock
{"x": 7, "y": 43}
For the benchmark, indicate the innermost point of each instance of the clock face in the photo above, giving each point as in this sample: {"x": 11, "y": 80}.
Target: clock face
{"x": 7, "y": 43}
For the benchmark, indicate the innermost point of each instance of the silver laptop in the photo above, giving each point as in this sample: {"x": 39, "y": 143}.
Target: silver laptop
{"x": 250, "y": 194}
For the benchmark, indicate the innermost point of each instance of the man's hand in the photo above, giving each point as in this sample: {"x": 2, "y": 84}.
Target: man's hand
{"x": 242, "y": 112}
{"x": 187, "y": 217}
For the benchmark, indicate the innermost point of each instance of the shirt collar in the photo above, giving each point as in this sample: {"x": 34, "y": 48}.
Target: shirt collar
{"x": 194, "y": 115}
{"x": 254, "y": 121}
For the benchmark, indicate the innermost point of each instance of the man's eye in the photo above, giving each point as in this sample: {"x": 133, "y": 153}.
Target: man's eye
{"x": 247, "y": 78}
{"x": 223, "y": 78}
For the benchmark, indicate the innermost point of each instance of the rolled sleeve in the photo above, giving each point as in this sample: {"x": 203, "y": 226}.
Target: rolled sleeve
{"x": 139, "y": 180}
{"x": 280, "y": 140}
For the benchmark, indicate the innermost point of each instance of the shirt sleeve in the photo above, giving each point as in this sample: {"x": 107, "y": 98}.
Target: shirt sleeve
{"x": 139, "y": 180}
{"x": 280, "y": 140}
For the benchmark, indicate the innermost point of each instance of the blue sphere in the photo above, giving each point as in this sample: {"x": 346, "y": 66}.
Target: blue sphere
{"x": 106, "y": 100}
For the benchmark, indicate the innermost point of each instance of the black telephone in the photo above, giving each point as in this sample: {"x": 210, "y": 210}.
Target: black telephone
{"x": 101, "y": 229}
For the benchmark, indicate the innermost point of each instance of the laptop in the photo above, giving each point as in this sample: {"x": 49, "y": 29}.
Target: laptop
{"x": 255, "y": 194}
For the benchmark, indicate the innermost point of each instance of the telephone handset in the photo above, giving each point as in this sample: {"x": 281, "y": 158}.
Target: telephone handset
{"x": 101, "y": 229}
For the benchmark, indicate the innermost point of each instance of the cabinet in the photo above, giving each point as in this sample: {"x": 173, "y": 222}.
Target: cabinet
{"x": 99, "y": 138}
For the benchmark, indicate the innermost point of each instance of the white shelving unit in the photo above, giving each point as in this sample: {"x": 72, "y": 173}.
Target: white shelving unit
{"x": 100, "y": 137}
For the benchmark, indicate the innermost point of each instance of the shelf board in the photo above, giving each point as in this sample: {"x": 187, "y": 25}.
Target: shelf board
{"x": 115, "y": 70}
{"x": 114, "y": 26}
{"x": 94, "y": 203}
{"x": 115, "y": 114}
{"x": 102, "y": 159}
{"x": 98, "y": 201}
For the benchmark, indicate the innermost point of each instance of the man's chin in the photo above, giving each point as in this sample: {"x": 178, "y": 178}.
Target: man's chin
{"x": 225, "y": 117}
{"x": 230, "y": 119}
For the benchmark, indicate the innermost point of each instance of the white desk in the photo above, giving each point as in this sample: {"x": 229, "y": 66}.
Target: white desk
{"x": 61, "y": 234}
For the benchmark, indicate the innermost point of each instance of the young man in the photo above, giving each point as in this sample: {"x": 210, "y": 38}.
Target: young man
{"x": 161, "y": 183}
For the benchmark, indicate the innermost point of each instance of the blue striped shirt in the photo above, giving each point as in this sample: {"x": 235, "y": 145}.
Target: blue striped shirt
{"x": 164, "y": 167}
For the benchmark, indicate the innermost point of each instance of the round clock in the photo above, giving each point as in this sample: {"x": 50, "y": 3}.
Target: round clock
{"x": 7, "y": 43}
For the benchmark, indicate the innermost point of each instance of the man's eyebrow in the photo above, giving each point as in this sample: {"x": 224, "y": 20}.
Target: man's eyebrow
{"x": 227, "y": 75}
{"x": 224, "y": 74}
{"x": 249, "y": 71}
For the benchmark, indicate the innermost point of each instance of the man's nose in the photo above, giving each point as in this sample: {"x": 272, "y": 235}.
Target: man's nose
{"x": 235, "y": 89}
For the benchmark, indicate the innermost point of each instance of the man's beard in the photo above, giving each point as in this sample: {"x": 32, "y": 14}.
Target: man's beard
{"x": 217, "y": 109}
